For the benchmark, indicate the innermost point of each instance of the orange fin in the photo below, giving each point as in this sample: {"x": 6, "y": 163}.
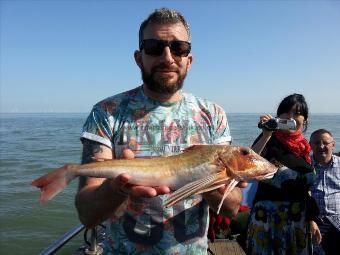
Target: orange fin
{"x": 208, "y": 183}
{"x": 213, "y": 187}
{"x": 193, "y": 147}
{"x": 232, "y": 183}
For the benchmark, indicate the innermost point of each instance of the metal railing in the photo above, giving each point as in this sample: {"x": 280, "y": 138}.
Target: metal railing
{"x": 93, "y": 247}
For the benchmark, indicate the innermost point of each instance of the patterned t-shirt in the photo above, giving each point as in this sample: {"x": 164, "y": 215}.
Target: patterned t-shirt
{"x": 150, "y": 128}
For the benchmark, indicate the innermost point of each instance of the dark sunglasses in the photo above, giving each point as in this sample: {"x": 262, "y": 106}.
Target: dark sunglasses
{"x": 156, "y": 47}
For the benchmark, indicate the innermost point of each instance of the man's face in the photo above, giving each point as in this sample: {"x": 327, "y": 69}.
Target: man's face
{"x": 164, "y": 74}
{"x": 323, "y": 146}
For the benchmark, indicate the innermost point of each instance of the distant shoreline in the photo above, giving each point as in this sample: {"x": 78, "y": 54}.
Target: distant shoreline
{"x": 243, "y": 113}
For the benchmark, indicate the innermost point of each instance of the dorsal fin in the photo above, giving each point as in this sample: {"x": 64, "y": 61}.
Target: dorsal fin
{"x": 193, "y": 147}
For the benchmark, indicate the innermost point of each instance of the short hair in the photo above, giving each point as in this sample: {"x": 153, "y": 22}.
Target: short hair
{"x": 164, "y": 16}
{"x": 294, "y": 100}
{"x": 320, "y": 132}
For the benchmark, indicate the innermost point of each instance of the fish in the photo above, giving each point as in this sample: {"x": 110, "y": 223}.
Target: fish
{"x": 198, "y": 169}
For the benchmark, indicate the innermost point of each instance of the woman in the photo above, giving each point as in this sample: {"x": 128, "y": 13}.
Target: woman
{"x": 281, "y": 216}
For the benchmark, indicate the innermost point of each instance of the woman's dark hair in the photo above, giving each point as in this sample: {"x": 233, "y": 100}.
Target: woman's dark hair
{"x": 296, "y": 101}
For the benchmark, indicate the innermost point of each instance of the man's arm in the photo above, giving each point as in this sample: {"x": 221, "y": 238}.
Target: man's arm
{"x": 97, "y": 198}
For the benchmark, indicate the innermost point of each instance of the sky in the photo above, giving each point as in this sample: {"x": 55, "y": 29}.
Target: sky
{"x": 66, "y": 55}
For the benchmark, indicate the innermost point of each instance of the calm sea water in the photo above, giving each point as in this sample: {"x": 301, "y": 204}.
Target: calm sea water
{"x": 33, "y": 144}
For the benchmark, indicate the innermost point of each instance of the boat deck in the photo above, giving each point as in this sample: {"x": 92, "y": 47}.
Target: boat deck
{"x": 225, "y": 247}
{"x": 218, "y": 247}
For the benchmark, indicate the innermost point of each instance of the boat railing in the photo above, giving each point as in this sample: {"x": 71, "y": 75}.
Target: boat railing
{"x": 92, "y": 247}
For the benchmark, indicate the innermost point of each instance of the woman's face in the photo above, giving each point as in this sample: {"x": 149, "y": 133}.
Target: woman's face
{"x": 300, "y": 119}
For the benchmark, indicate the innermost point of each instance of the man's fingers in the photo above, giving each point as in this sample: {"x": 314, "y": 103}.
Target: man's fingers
{"x": 128, "y": 154}
{"x": 140, "y": 191}
{"x": 122, "y": 179}
{"x": 242, "y": 184}
{"x": 162, "y": 190}
{"x": 318, "y": 237}
{"x": 144, "y": 191}
{"x": 221, "y": 189}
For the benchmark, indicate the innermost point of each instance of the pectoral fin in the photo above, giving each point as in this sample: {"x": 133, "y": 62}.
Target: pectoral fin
{"x": 208, "y": 183}
{"x": 229, "y": 186}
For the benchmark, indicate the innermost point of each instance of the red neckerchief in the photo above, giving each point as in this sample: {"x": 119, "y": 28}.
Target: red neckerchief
{"x": 296, "y": 143}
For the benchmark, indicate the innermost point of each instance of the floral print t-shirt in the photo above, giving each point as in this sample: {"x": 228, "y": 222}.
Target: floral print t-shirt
{"x": 151, "y": 128}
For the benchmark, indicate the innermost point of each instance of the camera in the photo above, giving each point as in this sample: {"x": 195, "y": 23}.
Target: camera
{"x": 277, "y": 123}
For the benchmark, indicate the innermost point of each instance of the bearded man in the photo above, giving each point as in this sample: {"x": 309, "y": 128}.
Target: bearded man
{"x": 154, "y": 119}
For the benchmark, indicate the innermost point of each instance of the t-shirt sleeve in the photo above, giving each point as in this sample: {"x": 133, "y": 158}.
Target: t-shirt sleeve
{"x": 221, "y": 126}
{"x": 97, "y": 127}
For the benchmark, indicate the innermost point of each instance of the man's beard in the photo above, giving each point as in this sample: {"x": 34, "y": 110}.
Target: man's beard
{"x": 162, "y": 86}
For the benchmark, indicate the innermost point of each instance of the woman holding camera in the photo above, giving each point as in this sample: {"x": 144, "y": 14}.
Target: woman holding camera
{"x": 279, "y": 221}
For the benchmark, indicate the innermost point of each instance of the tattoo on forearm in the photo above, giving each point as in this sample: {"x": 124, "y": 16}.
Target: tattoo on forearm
{"x": 90, "y": 148}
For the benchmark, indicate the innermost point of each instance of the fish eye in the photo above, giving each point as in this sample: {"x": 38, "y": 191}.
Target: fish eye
{"x": 245, "y": 151}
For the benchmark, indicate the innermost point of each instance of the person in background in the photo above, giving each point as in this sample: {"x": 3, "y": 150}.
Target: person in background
{"x": 154, "y": 119}
{"x": 326, "y": 189}
{"x": 282, "y": 209}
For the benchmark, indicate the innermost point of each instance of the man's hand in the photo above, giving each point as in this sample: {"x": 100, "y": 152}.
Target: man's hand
{"x": 315, "y": 232}
{"x": 122, "y": 181}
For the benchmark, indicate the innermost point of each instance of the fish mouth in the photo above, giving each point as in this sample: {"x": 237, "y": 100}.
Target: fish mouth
{"x": 252, "y": 176}
{"x": 266, "y": 176}
{"x": 260, "y": 176}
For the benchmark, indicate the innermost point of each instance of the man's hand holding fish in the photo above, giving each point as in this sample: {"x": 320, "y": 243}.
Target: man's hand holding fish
{"x": 230, "y": 206}
{"x": 213, "y": 197}
{"x": 137, "y": 190}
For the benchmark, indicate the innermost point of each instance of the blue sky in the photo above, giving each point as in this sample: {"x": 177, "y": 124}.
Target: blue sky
{"x": 64, "y": 56}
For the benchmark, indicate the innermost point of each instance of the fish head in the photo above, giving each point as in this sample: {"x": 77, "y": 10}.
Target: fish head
{"x": 242, "y": 163}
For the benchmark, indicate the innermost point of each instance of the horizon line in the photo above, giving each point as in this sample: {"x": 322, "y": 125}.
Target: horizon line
{"x": 89, "y": 112}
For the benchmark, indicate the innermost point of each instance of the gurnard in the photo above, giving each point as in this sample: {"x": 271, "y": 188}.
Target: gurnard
{"x": 200, "y": 168}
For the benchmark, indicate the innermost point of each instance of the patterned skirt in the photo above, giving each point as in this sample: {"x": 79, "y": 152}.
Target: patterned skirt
{"x": 277, "y": 228}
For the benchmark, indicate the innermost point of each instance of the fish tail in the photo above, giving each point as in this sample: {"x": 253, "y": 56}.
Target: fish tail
{"x": 52, "y": 183}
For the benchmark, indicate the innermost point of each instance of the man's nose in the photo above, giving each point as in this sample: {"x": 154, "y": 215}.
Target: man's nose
{"x": 167, "y": 55}
{"x": 321, "y": 145}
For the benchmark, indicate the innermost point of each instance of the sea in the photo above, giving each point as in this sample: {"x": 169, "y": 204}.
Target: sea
{"x": 31, "y": 144}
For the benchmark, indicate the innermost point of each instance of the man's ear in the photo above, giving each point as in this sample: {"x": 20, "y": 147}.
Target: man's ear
{"x": 189, "y": 61}
{"x": 138, "y": 58}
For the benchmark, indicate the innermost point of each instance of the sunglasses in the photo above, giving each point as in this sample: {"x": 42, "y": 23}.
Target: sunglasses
{"x": 156, "y": 47}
